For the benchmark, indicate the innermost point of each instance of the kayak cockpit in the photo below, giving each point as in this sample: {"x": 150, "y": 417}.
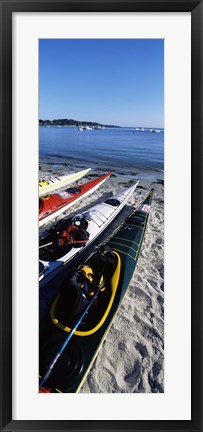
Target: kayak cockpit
{"x": 73, "y": 190}
{"x": 110, "y": 269}
{"x": 114, "y": 202}
{"x": 137, "y": 219}
{"x": 62, "y": 237}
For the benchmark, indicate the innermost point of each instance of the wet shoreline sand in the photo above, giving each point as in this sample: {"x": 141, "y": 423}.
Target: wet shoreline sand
{"x": 131, "y": 359}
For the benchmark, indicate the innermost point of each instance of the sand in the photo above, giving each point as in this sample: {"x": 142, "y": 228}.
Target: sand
{"x": 131, "y": 359}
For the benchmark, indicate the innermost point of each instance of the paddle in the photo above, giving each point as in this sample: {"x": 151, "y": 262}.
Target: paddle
{"x": 45, "y": 245}
{"x": 67, "y": 340}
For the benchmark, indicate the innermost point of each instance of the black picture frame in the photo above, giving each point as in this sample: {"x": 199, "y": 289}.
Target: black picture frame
{"x": 6, "y": 9}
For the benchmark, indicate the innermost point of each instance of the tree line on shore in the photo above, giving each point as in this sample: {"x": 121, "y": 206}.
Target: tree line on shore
{"x": 71, "y": 122}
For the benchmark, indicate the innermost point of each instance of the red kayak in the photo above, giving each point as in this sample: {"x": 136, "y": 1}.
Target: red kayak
{"x": 52, "y": 205}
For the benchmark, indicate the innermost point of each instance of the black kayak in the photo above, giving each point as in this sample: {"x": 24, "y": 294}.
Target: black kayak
{"x": 114, "y": 264}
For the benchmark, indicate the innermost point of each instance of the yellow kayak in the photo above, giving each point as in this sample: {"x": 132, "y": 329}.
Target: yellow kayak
{"x": 52, "y": 183}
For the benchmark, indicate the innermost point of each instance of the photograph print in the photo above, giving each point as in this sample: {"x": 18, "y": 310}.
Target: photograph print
{"x": 101, "y": 215}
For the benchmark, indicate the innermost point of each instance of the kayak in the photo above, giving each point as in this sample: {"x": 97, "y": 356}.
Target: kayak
{"x": 52, "y": 183}
{"x": 73, "y": 356}
{"x": 56, "y": 203}
{"x": 69, "y": 236}
{"x": 103, "y": 265}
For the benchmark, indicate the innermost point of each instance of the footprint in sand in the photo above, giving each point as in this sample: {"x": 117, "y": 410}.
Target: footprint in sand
{"x": 157, "y": 215}
{"x": 155, "y": 247}
{"x": 160, "y": 269}
{"x": 153, "y": 377}
{"x": 142, "y": 349}
{"x": 122, "y": 346}
{"x": 133, "y": 377}
{"x": 140, "y": 294}
{"x": 159, "y": 241}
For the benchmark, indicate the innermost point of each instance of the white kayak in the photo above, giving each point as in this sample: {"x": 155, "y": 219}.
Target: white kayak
{"x": 49, "y": 184}
{"x": 67, "y": 238}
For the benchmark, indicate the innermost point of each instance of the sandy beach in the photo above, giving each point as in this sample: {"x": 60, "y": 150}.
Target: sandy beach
{"x": 131, "y": 359}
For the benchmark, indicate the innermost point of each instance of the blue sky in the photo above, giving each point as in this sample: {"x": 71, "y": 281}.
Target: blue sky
{"x": 110, "y": 81}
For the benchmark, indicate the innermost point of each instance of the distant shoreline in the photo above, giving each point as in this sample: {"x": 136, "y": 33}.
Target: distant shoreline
{"x": 77, "y": 123}
{"x": 71, "y": 122}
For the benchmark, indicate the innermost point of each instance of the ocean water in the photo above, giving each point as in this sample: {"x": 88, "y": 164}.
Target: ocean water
{"x": 115, "y": 147}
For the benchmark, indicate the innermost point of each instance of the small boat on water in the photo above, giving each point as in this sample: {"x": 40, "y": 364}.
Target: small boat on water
{"x": 83, "y": 128}
{"x": 88, "y": 128}
{"x": 49, "y": 184}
